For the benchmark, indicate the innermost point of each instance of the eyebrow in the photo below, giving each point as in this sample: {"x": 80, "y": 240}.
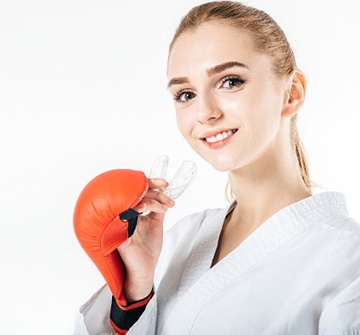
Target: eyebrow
{"x": 213, "y": 70}
{"x": 222, "y": 67}
{"x": 178, "y": 81}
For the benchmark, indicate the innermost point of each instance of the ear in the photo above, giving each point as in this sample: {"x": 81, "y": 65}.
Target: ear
{"x": 295, "y": 95}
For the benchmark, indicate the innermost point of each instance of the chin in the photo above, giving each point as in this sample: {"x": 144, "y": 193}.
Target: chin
{"x": 220, "y": 161}
{"x": 221, "y": 165}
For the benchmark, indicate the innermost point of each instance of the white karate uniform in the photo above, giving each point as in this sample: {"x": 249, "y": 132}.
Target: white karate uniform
{"x": 298, "y": 274}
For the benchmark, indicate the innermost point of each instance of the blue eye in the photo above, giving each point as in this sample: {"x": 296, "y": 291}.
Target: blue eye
{"x": 184, "y": 96}
{"x": 230, "y": 83}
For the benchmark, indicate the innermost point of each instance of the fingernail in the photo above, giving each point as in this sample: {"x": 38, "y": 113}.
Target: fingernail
{"x": 158, "y": 180}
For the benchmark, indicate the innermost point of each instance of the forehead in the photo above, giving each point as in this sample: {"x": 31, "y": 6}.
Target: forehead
{"x": 211, "y": 44}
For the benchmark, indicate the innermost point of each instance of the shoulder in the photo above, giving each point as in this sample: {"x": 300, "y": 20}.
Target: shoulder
{"x": 334, "y": 217}
{"x": 346, "y": 226}
{"x": 338, "y": 236}
{"x": 328, "y": 210}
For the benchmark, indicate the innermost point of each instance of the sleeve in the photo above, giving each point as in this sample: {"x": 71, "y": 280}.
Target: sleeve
{"x": 342, "y": 315}
{"x": 94, "y": 316}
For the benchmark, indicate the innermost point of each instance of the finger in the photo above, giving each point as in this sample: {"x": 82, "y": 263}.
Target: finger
{"x": 160, "y": 197}
{"x": 151, "y": 205}
{"x": 152, "y": 217}
{"x": 157, "y": 183}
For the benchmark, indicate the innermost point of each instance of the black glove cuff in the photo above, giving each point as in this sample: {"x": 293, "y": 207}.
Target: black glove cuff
{"x": 125, "y": 317}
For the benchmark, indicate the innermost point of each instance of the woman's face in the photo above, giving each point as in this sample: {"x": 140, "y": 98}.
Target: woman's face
{"x": 228, "y": 101}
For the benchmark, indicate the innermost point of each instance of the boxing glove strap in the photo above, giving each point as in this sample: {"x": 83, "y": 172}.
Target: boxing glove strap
{"x": 123, "y": 317}
{"x": 131, "y": 217}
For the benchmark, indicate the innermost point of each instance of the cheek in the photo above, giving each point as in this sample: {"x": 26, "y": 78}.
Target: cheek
{"x": 264, "y": 104}
{"x": 266, "y": 119}
{"x": 184, "y": 124}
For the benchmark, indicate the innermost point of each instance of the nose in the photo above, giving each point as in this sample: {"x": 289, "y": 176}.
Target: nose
{"x": 209, "y": 109}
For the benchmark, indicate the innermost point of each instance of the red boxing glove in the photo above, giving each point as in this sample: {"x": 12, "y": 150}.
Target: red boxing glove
{"x": 100, "y": 211}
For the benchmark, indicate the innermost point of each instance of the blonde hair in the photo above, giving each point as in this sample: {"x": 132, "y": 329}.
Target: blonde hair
{"x": 268, "y": 38}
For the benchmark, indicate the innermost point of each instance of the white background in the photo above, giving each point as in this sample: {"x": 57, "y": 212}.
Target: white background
{"x": 83, "y": 90}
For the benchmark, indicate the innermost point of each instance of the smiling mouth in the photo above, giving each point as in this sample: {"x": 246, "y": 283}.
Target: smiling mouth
{"x": 220, "y": 136}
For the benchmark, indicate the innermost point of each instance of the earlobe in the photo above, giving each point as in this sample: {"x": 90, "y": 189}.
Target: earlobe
{"x": 295, "y": 96}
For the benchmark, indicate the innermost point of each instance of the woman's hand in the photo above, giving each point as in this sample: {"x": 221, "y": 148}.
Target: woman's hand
{"x": 141, "y": 251}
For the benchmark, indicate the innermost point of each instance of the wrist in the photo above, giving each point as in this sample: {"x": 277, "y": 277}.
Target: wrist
{"x": 135, "y": 291}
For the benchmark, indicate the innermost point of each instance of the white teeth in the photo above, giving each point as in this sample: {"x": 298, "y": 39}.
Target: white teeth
{"x": 220, "y": 136}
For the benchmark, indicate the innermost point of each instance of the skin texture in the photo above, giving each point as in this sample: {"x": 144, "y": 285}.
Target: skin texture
{"x": 211, "y": 96}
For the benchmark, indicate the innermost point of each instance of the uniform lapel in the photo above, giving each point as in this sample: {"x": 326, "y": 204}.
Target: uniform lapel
{"x": 201, "y": 282}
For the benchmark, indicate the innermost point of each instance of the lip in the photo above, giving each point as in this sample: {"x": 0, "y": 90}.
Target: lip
{"x": 214, "y": 132}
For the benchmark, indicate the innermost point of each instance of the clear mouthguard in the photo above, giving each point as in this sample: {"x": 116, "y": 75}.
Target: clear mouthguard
{"x": 183, "y": 178}
{"x": 159, "y": 168}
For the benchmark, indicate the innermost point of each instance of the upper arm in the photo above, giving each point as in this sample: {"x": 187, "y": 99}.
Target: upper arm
{"x": 342, "y": 314}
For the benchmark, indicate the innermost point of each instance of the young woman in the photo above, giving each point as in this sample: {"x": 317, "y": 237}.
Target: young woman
{"x": 278, "y": 260}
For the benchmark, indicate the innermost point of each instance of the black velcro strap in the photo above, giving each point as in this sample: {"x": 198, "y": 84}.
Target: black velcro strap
{"x": 124, "y": 319}
{"x": 131, "y": 217}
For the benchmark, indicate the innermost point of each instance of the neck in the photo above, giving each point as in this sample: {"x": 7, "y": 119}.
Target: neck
{"x": 264, "y": 188}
